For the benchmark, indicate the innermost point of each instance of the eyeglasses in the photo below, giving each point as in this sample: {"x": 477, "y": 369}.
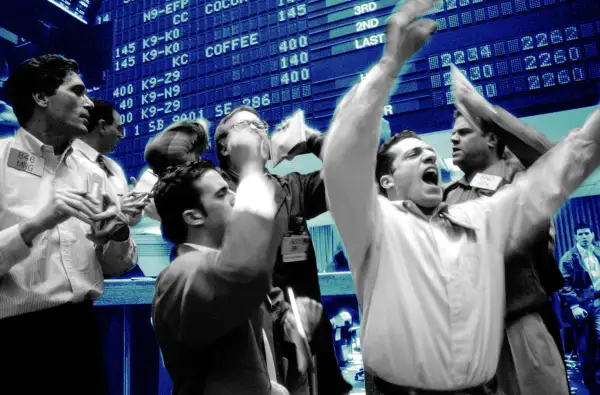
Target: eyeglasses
{"x": 245, "y": 125}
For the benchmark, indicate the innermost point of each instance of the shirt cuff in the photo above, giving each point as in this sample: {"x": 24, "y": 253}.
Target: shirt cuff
{"x": 574, "y": 306}
{"x": 256, "y": 194}
{"x": 13, "y": 248}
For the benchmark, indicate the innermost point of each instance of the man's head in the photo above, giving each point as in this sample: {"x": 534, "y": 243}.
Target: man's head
{"x": 406, "y": 170}
{"x": 48, "y": 90}
{"x": 241, "y": 118}
{"x": 193, "y": 199}
{"x": 584, "y": 235}
{"x": 105, "y": 128}
{"x": 474, "y": 149}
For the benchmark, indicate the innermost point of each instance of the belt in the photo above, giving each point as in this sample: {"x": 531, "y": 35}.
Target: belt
{"x": 385, "y": 388}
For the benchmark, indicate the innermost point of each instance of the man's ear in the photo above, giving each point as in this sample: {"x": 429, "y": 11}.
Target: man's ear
{"x": 223, "y": 150}
{"x": 492, "y": 141}
{"x": 386, "y": 182}
{"x": 102, "y": 126}
{"x": 41, "y": 99}
{"x": 193, "y": 217}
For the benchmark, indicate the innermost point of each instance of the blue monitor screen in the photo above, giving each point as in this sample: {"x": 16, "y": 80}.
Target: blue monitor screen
{"x": 187, "y": 59}
{"x": 76, "y": 8}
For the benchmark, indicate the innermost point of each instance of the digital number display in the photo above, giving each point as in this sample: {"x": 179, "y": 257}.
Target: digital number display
{"x": 77, "y": 8}
{"x": 184, "y": 59}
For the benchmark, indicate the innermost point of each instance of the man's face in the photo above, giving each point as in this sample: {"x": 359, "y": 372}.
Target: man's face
{"x": 217, "y": 200}
{"x": 415, "y": 173}
{"x": 584, "y": 237}
{"x": 68, "y": 108}
{"x": 470, "y": 148}
{"x": 111, "y": 134}
{"x": 242, "y": 119}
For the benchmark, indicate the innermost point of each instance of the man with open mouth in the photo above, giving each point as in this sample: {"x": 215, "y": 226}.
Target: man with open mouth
{"x": 430, "y": 278}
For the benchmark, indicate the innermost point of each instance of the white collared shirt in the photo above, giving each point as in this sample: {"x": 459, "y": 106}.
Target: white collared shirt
{"x": 432, "y": 290}
{"x": 62, "y": 265}
{"x": 116, "y": 185}
{"x": 592, "y": 266}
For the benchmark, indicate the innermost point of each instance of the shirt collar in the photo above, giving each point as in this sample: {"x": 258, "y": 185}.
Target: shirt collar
{"x": 583, "y": 251}
{"x": 440, "y": 211}
{"x": 87, "y": 150}
{"x": 32, "y": 144}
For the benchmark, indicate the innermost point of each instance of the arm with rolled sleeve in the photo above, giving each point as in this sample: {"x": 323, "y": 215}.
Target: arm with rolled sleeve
{"x": 200, "y": 300}
{"x": 349, "y": 157}
{"x": 525, "y": 207}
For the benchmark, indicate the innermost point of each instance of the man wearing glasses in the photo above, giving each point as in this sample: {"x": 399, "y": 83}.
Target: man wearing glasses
{"x": 298, "y": 197}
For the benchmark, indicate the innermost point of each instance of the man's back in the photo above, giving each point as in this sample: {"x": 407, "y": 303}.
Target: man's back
{"x": 231, "y": 361}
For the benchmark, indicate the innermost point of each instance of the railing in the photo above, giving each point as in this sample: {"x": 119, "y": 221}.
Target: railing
{"x": 133, "y": 361}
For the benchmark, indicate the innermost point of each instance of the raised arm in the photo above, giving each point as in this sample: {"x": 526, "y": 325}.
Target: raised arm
{"x": 203, "y": 300}
{"x": 349, "y": 153}
{"x": 525, "y": 142}
{"x": 524, "y": 208}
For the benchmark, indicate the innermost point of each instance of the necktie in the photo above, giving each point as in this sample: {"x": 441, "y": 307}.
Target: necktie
{"x": 103, "y": 166}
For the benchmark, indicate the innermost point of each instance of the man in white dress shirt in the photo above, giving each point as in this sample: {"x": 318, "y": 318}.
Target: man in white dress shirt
{"x": 429, "y": 278}
{"x": 57, "y": 239}
{"x": 105, "y": 132}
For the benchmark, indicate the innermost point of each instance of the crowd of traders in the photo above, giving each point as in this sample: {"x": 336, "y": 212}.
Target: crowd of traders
{"x": 454, "y": 281}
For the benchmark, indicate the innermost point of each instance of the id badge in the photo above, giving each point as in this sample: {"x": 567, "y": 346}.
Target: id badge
{"x": 486, "y": 181}
{"x": 26, "y": 162}
{"x": 295, "y": 248}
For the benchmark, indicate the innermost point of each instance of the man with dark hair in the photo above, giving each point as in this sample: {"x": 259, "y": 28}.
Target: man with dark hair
{"x": 104, "y": 132}
{"x": 430, "y": 277}
{"x": 580, "y": 267}
{"x": 532, "y": 274}
{"x": 299, "y": 197}
{"x": 214, "y": 308}
{"x": 59, "y": 237}
{"x": 385, "y": 158}
{"x": 180, "y": 142}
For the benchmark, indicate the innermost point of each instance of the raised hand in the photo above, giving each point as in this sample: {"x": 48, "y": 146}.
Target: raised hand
{"x": 246, "y": 150}
{"x": 405, "y": 34}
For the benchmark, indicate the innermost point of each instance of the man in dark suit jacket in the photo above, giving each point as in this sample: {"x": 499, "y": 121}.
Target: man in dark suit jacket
{"x": 580, "y": 267}
{"x": 298, "y": 197}
{"x": 212, "y": 310}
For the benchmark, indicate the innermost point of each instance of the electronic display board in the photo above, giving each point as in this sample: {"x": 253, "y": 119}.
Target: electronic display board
{"x": 77, "y": 8}
{"x": 187, "y": 59}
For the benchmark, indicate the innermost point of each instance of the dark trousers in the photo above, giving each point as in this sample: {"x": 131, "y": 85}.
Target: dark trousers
{"x": 53, "y": 351}
{"x": 329, "y": 377}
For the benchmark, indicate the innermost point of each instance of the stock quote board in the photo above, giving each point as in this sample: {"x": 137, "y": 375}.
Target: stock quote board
{"x": 186, "y": 59}
{"x": 76, "y": 8}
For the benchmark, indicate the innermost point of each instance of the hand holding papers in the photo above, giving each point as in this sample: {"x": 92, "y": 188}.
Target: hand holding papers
{"x": 289, "y": 139}
{"x": 299, "y": 324}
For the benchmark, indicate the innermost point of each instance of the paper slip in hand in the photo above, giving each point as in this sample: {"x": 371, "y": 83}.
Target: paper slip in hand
{"x": 146, "y": 182}
{"x": 95, "y": 186}
{"x": 305, "y": 350}
{"x": 468, "y": 101}
{"x": 290, "y": 135}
